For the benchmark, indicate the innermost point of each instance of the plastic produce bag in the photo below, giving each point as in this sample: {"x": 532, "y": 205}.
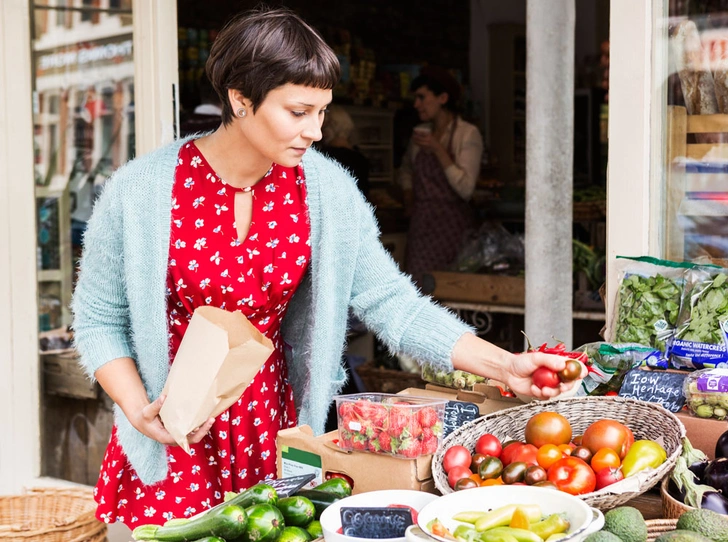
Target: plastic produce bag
{"x": 491, "y": 249}
{"x": 706, "y": 393}
{"x": 645, "y": 309}
{"x": 613, "y": 362}
{"x": 701, "y": 338}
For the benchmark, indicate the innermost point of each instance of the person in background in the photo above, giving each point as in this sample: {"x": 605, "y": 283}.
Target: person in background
{"x": 338, "y": 131}
{"x": 438, "y": 174}
{"x": 206, "y": 116}
{"x": 247, "y": 218}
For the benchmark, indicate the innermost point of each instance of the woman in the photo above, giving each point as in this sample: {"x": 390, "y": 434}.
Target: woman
{"x": 243, "y": 219}
{"x": 438, "y": 174}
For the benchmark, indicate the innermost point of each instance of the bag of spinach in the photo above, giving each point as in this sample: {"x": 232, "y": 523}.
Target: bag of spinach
{"x": 647, "y": 303}
{"x": 701, "y": 337}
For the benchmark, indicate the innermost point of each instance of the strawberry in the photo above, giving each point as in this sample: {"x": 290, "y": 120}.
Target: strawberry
{"x": 359, "y": 443}
{"x": 429, "y": 444}
{"x": 346, "y": 439}
{"x": 368, "y": 429}
{"x": 374, "y": 446}
{"x": 399, "y": 419}
{"x": 387, "y": 443}
{"x": 346, "y": 409}
{"x": 427, "y": 417}
{"x": 410, "y": 447}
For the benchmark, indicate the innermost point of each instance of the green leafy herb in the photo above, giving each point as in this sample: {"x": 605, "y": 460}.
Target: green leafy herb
{"x": 648, "y": 310}
{"x": 708, "y": 312}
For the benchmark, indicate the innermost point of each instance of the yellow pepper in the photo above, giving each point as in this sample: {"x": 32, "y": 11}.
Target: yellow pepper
{"x": 644, "y": 454}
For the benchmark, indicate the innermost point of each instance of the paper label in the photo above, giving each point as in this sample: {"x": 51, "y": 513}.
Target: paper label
{"x": 699, "y": 354}
{"x": 714, "y": 380}
{"x": 354, "y": 426}
{"x": 295, "y": 462}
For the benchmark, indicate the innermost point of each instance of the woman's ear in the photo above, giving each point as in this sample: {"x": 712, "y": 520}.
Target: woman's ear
{"x": 237, "y": 100}
{"x": 443, "y": 98}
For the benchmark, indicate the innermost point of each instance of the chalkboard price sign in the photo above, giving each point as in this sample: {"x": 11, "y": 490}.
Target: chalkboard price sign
{"x": 285, "y": 487}
{"x": 458, "y": 413}
{"x": 375, "y": 522}
{"x": 655, "y": 387}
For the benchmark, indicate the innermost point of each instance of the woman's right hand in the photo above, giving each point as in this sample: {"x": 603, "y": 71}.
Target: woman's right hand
{"x": 148, "y": 422}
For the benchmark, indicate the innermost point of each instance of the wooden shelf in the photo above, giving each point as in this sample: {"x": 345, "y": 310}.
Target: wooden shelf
{"x": 506, "y": 309}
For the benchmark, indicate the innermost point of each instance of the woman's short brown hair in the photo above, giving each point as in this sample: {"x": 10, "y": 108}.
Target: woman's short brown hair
{"x": 263, "y": 49}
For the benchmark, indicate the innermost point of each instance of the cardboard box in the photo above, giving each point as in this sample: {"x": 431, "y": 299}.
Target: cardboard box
{"x": 299, "y": 452}
{"x": 703, "y": 433}
{"x": 478, "y": 288}
{"x": 488, "y": 398}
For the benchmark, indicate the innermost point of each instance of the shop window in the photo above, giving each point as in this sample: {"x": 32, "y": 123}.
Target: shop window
{"x": 693, "y": 168}
{"x": 87, "y": 15}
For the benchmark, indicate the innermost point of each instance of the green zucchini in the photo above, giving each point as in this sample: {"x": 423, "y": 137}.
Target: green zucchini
{"x": 210, "y": 539}
{"x": 228, "y": 522}
{"x": 320, "y": 499}
{"x": 297, "y": 511}
{"x": 258, "y": 494}
{"x": 337, "y": 486}
{"x": 294, "y": 534}
{"x": 265, "y": 523}
{"x": 314, "y": 529}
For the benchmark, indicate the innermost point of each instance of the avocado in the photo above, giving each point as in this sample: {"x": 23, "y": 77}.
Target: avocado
{"x": 627, "y": 523}
{"x": 706, "y": 522}
{"x": 681, "y": 536}
{"x": 602, "y": 536}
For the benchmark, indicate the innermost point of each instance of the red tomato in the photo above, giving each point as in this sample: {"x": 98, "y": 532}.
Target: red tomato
{"x": 543, "y": 377}
{"x": 607, "y": 476}
{"x": 456, "y": 456}
{"x": 527, "y": 453}
{"x": 608, "y": 434}
{"x": 573, "y": 476}
{"x": 506, "y": 456}
{"x": 548, "y": 428}
{"x": 488, "y": 445}
{"x": 457, "y": 473}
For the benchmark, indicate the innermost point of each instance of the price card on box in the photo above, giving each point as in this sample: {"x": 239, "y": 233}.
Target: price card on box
{"x": 375, "y": 522}
{"x": 655, "y": 387}
{"x": 458, "y": 413}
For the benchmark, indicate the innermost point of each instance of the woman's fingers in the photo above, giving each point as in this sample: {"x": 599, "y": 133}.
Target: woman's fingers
{"x": 198, "y": 434}
{"x": 151, "y": 411}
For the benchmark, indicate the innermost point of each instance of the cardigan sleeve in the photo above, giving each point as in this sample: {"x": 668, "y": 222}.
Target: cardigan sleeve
{"x": 101, "y": 320}
{"x": 463, "y": 172}
{"x": 390, "y": 305}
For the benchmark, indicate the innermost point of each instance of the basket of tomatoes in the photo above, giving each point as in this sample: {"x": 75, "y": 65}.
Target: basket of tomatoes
{"x": 605, "y": 450}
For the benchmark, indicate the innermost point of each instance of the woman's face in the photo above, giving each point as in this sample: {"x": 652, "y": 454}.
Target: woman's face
{"x": 428, "y": 104}
{"x": 286, "y": 123}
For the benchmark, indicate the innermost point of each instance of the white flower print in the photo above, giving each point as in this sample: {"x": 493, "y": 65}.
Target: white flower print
{"x": 283, "y": 256}
{"x": 246, "y": 301}
{"x": 225, "y": 274}
{"x": 268, "y": 207}
{"x": 283, "y": 174}
{"x": 198, "y": 201}
{"x": 264, "y": 454}
{"x": 222, "y": 191}
{"x": 225, "y": 473}
{"x": 243, "y": 474}
{"x": 178, "y": 222}
{"x": 196, "y": 161}
{"x": 180, "y": 161}
{"x": 241, "y": 438}
{"x": 176, "y": 476}
{"x": 236, "y": 420}
{"x": 294, "y": 238}
{"x": 201, "y": 243}
{"x": 178, "y": 500}
{"x": 179, "y": 244}
{"x": 120, "y": 519}
{"x": 273, "y": 411}
{"x": 206, "y": 503}
{"x": 106, "y": 518}
{"x": 211, "y": 460}
{"x": 204, "y": 283}
{"x": 216, "y": 258}
{"x": 265, "y": 286}
{"x": 160, "y": 494}
{"x": 253, "y": 237}
{"x": 287, "y": 200}
{"x": 195, "y": 469}
{"x": 264, "y": 321}
{"x": 189, "y": 182}
{"x": 134, "y": 519}
{"x": 211, "y": 177}
{"x": 139, "y": 493}
{"x": 268, "y": 268}
{"x": 175, "y": 205}
{"x": 252, "y": 405}
{"x": 217, "y": 229}
{"x": 294, "y": 218}
{"x": 226, "y": 289}
{"x": 168, "y": 515}
{"x": 235, "y": 243}
{"x": 123, "y": 503}
{"x": 270, "y": 187}
{"x": 189, "y": 511}
{"x": 285, "y": 279}
{"x": 252, "y": 253}
{"x": 273, "y": 243}
{"x": 249, "y": 450}
{"x": 220, "y": 209}
{"x": 194, "y": 487}
{"x": 180, "y": 285}
{"x": 301, "y": 260}
{"x": 263, "y": 437}
{"x": 208, "y": 300}
{"x": 272, "y": 224}
{"x": 218, "y": 495}
{"x": 223, "y": 454}
{"x": 222, "y": 435}
{"x": 241, "y": 278}
{"x": 257, "y": 422}
{"x": 193, "y": 265}
{"x": 199, "y": 223}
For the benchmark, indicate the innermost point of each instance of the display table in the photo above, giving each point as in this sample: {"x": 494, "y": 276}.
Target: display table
{"x": 649, "y": 503}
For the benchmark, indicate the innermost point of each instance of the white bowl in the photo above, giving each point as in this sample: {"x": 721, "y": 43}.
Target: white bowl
{"x": 584, "y": 519}
{"x": 331, "y": 517}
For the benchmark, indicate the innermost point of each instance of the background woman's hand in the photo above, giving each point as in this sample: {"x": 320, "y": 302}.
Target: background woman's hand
{"x": 148, "y": 422}
{"x": 519, "y": 374}
{"x": 426, "y": 141}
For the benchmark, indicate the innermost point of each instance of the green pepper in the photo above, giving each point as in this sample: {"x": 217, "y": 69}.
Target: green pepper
{"x": 644, "y": 454}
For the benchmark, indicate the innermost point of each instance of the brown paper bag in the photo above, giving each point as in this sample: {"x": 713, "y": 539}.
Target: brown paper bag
{"x": 220, "y": 354}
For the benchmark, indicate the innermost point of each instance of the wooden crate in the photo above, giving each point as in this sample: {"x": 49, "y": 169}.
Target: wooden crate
{"x": 62, "y": 375}
{"x": 476, "y": 288}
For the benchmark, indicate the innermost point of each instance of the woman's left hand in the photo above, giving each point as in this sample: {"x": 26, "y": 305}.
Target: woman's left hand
{"x": 520, "y": 371}
{"x": 426, "y": 141}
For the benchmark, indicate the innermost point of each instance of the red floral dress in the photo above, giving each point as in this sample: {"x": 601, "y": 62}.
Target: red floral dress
{"x": 209, "y": 265}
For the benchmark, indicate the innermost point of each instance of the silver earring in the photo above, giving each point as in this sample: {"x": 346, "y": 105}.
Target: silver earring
{"x": 242, "y": 112}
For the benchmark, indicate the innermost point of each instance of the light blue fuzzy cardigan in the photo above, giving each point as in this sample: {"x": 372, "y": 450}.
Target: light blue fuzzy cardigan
{"x": 120, "y": 310}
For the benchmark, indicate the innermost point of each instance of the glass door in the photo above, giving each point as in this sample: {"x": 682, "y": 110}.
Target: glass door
{"x": 84, "y": 128}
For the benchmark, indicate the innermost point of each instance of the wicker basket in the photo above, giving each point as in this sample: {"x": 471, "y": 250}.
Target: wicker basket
{"x": 671, "y": 507}
{"x": 656, "y": 527}
{"x": 647, "y": 421}
{"x": 379, "y": 379}
{"x": 51, "y": 515}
